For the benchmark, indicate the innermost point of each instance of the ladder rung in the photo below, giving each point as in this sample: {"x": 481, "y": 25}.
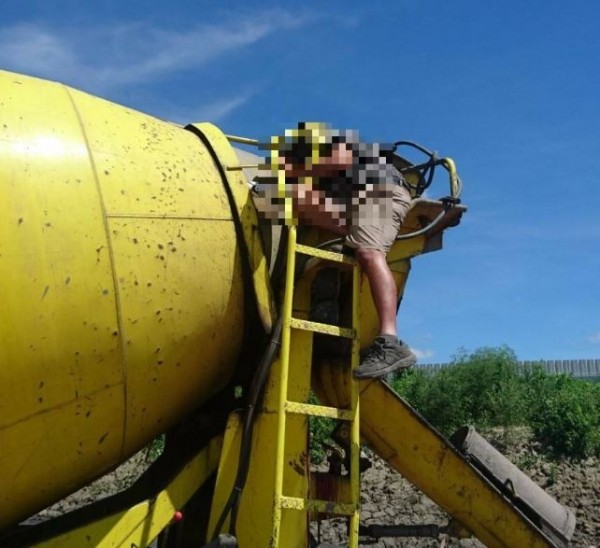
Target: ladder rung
{"x": 324, "y": 328}
{"x": 324, "y": 506}
{"x": 319, "y": 411}
{"x": 322, "y": 254}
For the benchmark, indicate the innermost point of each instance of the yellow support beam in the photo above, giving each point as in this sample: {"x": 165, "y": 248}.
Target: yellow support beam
{"x": 141, "y": 524}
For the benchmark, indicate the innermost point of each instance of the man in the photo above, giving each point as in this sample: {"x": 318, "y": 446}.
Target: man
{"x": 337, "y": 183}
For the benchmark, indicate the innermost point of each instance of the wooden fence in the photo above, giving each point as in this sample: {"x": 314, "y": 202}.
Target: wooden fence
{"x": 579, "y": 369}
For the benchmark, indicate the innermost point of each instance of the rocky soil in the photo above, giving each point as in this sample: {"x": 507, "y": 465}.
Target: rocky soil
{"x": 118, "y": 480}
{"x": 390, "y": 500}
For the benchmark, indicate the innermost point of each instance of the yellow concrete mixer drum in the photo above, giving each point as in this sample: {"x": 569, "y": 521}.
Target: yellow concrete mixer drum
{"x": 121, "y": 284}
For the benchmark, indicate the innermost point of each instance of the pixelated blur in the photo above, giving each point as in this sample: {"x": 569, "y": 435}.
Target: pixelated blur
{"x": 321, "y": 176}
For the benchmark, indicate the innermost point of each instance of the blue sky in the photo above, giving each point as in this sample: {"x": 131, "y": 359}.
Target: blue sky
{"x": 509, "y": 89}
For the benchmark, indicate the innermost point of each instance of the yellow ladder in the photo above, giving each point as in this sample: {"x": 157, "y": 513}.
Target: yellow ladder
{"x": 285, "y": 406}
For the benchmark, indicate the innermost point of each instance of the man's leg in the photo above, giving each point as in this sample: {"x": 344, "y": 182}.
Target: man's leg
{"x": 383, "y": 287}
{"x": 387, "y": 354}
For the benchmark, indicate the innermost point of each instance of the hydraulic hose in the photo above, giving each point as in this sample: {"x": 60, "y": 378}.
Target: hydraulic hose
{"x": 426, "y": 170}
{"x": 427, "y": 228}
{"x": 255, "y": 389}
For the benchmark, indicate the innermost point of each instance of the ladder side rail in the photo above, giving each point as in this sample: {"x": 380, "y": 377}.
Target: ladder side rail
{"x": 283, "y": 383}
{"x": 355, "y": 405}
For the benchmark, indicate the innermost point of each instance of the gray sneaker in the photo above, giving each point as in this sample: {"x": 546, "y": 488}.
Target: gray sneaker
{"x": 386, "y": 354}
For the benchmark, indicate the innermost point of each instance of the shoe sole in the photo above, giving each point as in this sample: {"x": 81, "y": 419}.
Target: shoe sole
{"x": 375, "y": 373}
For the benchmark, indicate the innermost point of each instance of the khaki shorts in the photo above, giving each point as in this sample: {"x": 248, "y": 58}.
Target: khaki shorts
{"x": 377, "y": 225}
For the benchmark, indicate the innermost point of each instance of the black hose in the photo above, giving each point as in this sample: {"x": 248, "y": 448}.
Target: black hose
{"x": 425, "y": 228}
{"x": 425, "y": 170}
{"x": 413, "y": 145}
{"x": 246, "y": 444}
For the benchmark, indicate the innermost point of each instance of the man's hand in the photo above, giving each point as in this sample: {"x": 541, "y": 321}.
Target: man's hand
{"x": 315, "y": 208}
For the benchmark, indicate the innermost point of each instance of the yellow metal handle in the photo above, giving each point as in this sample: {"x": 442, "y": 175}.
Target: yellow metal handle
{"x": 449, "y": 164}
{"x": 242, "y": 140}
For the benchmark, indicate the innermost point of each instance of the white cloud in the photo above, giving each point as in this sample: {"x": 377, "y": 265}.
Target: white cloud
{"x": 423, "y": 354}
{"x": 218, "y": 110}
{"x": 211, "y": 112}
{"x": 31, "y": 48}
{"x": 104, "y": 58}
{"x": 595, "y": 338}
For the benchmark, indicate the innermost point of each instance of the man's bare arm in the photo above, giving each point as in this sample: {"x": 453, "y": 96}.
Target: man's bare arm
{"x": 317, "y": 209}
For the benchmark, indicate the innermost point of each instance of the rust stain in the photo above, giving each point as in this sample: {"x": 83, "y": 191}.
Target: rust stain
{"x": 299, "y": 465}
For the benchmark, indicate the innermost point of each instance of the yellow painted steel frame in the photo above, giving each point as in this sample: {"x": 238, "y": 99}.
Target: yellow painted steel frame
{"x": 257, "y": 508}
{"x": 141, "y": 524}
{"x": 275, "y": 507}
{"x": 349, "y": 413}
{"x": 285, "y": 405}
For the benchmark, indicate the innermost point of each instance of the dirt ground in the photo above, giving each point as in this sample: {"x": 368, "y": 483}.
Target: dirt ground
{"x": 389, "y": 499}
{"x": 118, "y": 480}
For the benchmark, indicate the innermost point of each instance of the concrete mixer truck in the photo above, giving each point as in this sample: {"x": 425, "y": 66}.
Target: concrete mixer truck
{"x": 141, "y": 294}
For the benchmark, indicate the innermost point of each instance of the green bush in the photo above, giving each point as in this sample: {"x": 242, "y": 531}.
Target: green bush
{"x": 488, "y": 388}
{"x": 483, "y": 388}
{"x": 320, "y": 429}
{"x": 565, "y": 417}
